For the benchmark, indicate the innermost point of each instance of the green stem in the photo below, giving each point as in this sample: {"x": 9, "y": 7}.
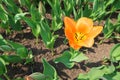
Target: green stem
{"x": 52, "y": 51}
{"x": 5, "y": 75}
{"x": 36, "y": 41}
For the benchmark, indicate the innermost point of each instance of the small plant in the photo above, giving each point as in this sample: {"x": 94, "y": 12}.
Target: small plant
{"x": 49, "y": 73}
{"x": 105, "y": 72}
{"x": 12, "y": 53}
{"x": 79, "y": 34}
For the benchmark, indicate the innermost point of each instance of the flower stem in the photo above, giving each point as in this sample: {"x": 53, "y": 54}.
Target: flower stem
{"x": 36, "y": 41}
{"x": 52, "y": 52}
{"x": 5, "y": 75}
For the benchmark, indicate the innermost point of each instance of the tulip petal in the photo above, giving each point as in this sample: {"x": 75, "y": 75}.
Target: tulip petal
{"x": 69, "y": 28}
{"x": 95, "y": 31}
{"x": 74, "y": 45}
{"x": 84, "y": 25}
{"x": 88, "y": 42}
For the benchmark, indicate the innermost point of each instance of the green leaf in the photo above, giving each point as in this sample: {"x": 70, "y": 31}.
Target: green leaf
{"x": 11, "y": 58}
{"x": 83, "y": 77}
{"x": 78, "y": 57}
{"x": 108, "y": 69}
{"x": 18, "y": 78}
{"x": 39, "y": 76}
{"x": 117, "y": 76}
{"x": 30, "y": 22}
{"x": 41, "y": 9}
{"x": 1, "y": 79}
{"x": 3, "y": 14}
{"x": 35, "y": 15}
{"x": 19, "y": 16}
{"x": 113, "y": 76}
{"x": 115, "y": 53}
{"x": 50, "y": 44}
{"x": 34, "y": 26}
{"x": 118, "y": 18}
{"x": 95, "y": 74}
{"x": 26, "y": 3}
{"x": 109, "y": 2}
{"x": 108, "y": 29}
{"x": 116, "y": 5}
{"x": 15, "y": 26}
{"x": 14, "y": 45}
{"x": 65, "y": 59}
{"x": 2, "y": 67}
{"x": 5, "y": 48}
{"x": 49, "y": 70}
{"x": 46, "y": 35}
{"x": 11, "y": 6}
{"x": 22, "y": 52}
{"x": 29, "y": 57}
{"x": 2, "y": 40}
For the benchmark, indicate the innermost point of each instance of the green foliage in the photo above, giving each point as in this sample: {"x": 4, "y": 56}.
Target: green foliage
{"x": 115, "y": 53}
{"x": 3, "y": 69}
{"x": 47, "y": 36}
{"x": 8, "y": 10}
{"x": 65, "y": 59}
{"x": 68, "y": 58}
{"x": 56, "y": 14}
{"x": 13, "y": 53}
{"x": 49, "y": 72}
{"x": 108, "y": 29}
{"x": 103, "y": 72}
{"x": 39, "y": 76}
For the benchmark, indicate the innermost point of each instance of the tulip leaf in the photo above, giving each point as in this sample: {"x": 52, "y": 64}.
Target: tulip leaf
{"x": 115, "y": 53}
{"x": 38, "y": 76}
{"x": 2, "y": 67}
{"x": 3, "y": 15}
{"x": 5, "y": 48}
{"x": 113, "y": 76}
{"x": 108, "y": 29}
{"x": 34, "y": 26}
{"x": 93, "y": 74}
{"x": 78, "y": 57}
{"x": 83, "y": 77}
{"x": 117, "y": 76}
{"x": 19, "y": 16}
{"x": 65, "y": 59}
{"x": 47, "y": 37}
{"x": 11, "y": 58}
{"x": 14, "y": 45}
{"x": 116, "y": 5}
{"x": 22, "y": 52}
{"x": 49, "y": 70}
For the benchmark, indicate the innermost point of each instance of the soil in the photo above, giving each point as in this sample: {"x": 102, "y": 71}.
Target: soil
{"x": 96, "y": 54}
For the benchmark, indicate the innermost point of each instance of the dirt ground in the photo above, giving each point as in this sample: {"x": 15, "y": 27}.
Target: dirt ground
{"x": 96, "y": 54}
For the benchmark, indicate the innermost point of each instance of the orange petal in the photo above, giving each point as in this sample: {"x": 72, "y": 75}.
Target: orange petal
{"x": 88, "y": 42}
{"x": 84, "y": 25}
{"x": 74, "y": 45}
{"x": 95, "y": 31}
{"x": 69, "y": 28}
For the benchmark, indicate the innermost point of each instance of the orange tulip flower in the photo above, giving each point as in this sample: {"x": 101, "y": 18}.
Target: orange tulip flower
{"x": 81, "y": 33}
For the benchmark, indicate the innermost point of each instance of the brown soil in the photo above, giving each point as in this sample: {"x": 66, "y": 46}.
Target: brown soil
{"x": 96, "y": 54}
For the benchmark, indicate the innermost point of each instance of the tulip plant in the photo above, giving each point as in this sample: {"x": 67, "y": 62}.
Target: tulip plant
{"x": 12, "y": 53}
{"x": 108, "y": 71}
{"x": 80, "y": 34}
{"x": 45, "y": 18}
